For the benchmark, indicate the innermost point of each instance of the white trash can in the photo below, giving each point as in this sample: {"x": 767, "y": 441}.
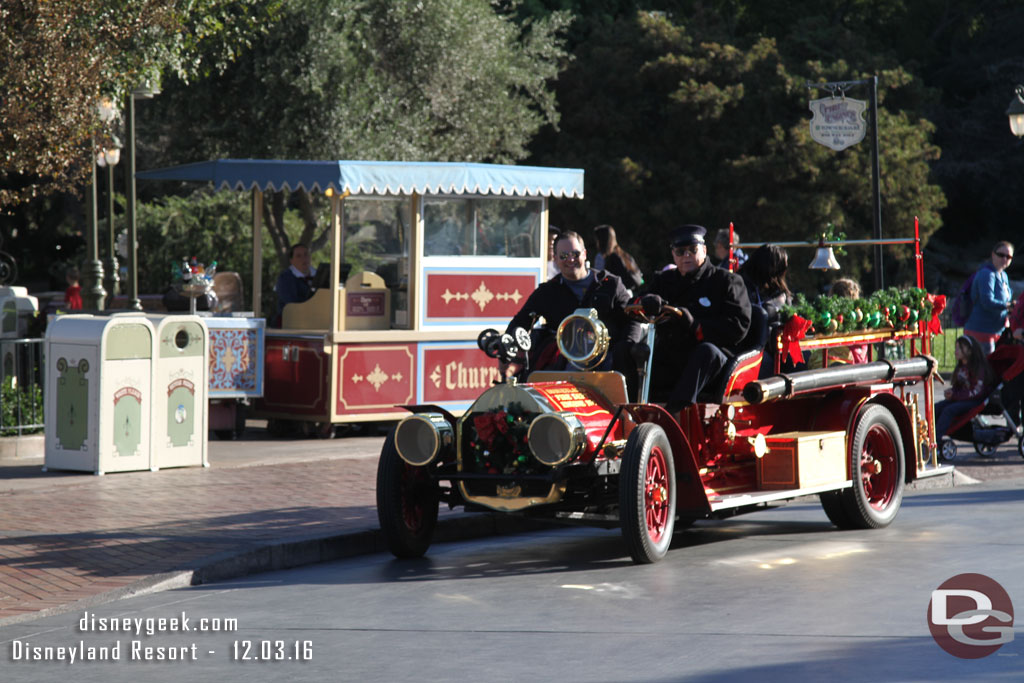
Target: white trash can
{"x": 99, "y": 381}
{"x": 181, "y": 372}
{"x": 16, "y": 310}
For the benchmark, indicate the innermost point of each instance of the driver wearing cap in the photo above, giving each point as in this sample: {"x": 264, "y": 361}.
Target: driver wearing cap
{"x": 576, "y": 286}
{"x": 692, "y": 350}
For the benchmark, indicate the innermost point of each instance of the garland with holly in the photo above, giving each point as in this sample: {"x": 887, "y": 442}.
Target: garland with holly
{"x": 891, "y": 308}
{"x": 497, "y": 443}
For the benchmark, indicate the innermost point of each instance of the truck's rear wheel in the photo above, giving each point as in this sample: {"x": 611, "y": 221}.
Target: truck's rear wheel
{"x": 877, "y": 472}
{"x": 834, "y": 505}
{"x": 877, "y": 468}
{"x": 647, "y": 494}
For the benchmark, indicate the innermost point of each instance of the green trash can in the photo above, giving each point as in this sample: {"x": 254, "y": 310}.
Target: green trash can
{"x": 98, "y": 406}
{"x": 181, "y": 372}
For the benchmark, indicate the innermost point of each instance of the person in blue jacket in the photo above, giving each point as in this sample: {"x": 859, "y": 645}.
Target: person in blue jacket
{"x": 991, "y": 298}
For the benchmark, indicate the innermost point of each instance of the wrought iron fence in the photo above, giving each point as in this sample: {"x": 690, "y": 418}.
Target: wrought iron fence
{"x": 942, "y": 345}
{"x": 21, "y": 386}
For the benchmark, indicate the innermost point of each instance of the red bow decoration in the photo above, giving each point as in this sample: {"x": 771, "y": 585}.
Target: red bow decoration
{"x": 938, "y": 302}
{"x": 485, "y": 427}
{"x": 794, "y": 330}
{"x": 489, "y": 425}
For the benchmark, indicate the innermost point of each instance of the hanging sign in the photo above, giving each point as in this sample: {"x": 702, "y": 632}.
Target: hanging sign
{"x": 838, "y": 122}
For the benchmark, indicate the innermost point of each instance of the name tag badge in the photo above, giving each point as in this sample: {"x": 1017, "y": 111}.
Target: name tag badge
{"x": 704, "y": 301}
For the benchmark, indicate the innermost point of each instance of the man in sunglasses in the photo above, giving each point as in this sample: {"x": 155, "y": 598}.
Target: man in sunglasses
{"x": 576, "y": 286}
{"x": 691, "y": 351}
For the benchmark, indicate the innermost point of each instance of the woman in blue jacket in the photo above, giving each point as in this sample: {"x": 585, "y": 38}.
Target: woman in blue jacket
{"x": 991, "y": 298}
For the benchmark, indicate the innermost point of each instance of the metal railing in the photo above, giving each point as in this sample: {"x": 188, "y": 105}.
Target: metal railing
{"x": 21, "y": 386}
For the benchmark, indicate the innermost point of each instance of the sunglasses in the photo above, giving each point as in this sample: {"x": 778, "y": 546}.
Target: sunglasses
{"x": 680, "y": 251}
{"x": 566, "y": 255}
{"x": 1003, "y": 254}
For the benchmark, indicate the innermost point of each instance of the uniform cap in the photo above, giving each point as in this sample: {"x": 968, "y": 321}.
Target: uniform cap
{"x": 688, "y": 235}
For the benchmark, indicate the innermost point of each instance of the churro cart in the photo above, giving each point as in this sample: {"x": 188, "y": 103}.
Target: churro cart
{"x": 424, "y": 256}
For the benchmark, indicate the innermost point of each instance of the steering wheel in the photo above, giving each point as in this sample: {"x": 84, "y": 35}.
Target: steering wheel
{"x": 636, "y": 311}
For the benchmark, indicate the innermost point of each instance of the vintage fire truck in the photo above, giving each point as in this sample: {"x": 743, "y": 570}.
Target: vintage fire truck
{"x": 571, "y": 447}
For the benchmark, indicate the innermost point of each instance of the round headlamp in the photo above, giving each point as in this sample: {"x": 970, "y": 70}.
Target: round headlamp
{"x": 556, "y": 437}
{"x": 422, "y": 437}
{"x": 583, "y": 338}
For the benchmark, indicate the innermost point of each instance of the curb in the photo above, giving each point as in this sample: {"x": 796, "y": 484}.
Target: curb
{"x": 275, "y": 556}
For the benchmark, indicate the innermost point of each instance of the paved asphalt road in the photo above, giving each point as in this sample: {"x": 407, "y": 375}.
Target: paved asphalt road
{"x": 776, "y": 595}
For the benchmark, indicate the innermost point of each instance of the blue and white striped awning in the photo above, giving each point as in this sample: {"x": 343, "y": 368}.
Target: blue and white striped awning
{"x": 380, "y": 177}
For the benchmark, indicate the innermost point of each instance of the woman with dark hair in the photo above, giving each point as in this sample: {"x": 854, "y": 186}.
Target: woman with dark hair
{"x": 765, "y": 276}
{"x": 616, "y": 260}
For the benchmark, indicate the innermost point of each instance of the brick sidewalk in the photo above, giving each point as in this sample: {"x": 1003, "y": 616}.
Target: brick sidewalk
{"x": 67, "y": 539}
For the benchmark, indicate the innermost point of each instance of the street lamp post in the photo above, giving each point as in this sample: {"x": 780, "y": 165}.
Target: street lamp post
{"x": 1015, "y": 112}
{"x": 143, "y": 93}
{"x": 93, "y": 294}
{"x": 108, "y": 158}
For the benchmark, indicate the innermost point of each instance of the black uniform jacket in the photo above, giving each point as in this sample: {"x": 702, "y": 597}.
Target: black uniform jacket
{"x": 554, "y": 300}
{"x": 717, "y": 300}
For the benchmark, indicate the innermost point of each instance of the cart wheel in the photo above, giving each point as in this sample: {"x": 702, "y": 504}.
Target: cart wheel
{"x": 985, "y": 450}
{"x": 322, "y": 430}
{"x": 647, "y": 494}
{"x": 407, "y": 500}
{"x": 947, "y": 449}
{"x": 279, "y": 428}
{"x": 877, "y": 470}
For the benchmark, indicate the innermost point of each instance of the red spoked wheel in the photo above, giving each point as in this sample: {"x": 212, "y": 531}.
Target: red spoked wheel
{"x": 879, "y": 468}
{"x": 877, "y": 472}
{"x": 647, "y": 494}
{"x": 407, "y": 500}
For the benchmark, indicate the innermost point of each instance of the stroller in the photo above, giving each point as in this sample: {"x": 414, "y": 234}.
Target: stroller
{"x": 991, "y": 423}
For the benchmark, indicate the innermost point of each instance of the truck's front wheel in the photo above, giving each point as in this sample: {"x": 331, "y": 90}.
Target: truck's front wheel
{"x": 407, "y": 500}
{"x": 647, "y": 494}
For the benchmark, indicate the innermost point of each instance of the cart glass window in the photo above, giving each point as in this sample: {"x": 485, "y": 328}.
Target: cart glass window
{"x": 376, "y": 239}
{"x": 481, "y": 227}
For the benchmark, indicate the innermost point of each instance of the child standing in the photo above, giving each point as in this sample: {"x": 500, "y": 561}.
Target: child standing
{"x": 73, "y": 294}
{"x": 972, "y": 380}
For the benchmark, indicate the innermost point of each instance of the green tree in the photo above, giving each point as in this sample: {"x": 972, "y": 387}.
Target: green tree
{"x": 676, "y": 128}
{"x": 59, "y": 57}
{"x": 434, "y": 80}
{"x": 964, "y": 73}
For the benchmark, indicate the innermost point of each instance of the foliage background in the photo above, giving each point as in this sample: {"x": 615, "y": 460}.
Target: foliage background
{"x": 679, "y": 111}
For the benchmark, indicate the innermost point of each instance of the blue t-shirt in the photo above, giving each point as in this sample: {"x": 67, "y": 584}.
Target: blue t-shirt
{"x": 580, "y": 287}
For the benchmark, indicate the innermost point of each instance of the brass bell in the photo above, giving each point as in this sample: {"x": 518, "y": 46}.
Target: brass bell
{"x": 824, "y": 258}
